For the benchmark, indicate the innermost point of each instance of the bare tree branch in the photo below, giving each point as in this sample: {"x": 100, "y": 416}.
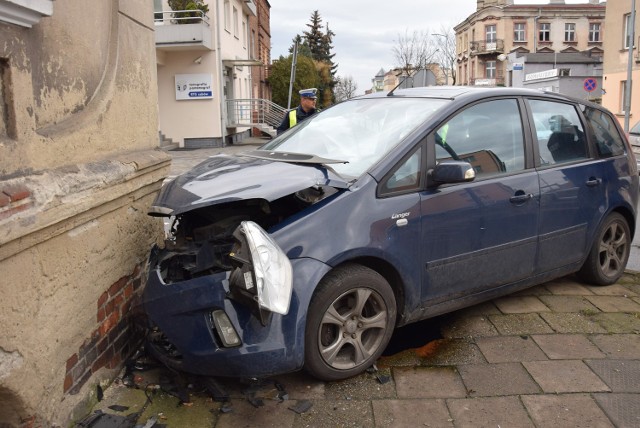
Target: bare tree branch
{"x": 345, "y": 88}
{"x": 446, "y": 42}
{"x": 414, "y": 51}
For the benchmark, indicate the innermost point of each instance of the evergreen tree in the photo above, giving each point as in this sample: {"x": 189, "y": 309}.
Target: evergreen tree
{"x": 327, "y": 47}
{"x": 320, "y": 45}
{"x": 314, "y": 57}
{"x": 306, "y": 77}
{"x": 315, "y": 37}
{"x": 303, "y": 46}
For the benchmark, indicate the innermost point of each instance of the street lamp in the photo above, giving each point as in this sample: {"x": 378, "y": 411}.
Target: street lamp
{"x": 446, "y": 40}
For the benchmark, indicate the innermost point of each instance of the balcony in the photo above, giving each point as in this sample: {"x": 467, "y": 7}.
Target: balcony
{"x": 191, "y": 32}
{"x": 486, "y": 48}
{"x": 482, "y": 81}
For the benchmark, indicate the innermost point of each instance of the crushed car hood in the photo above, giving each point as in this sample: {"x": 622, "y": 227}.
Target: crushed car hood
{"x": 226, "y": 178}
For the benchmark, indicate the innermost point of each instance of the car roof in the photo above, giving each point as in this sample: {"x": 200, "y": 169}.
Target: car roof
{"x": 455, "y": 92}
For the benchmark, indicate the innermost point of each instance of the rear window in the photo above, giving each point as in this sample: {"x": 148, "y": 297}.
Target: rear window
{"x": 635, "y": 129}
{"x": 608, "y": 140}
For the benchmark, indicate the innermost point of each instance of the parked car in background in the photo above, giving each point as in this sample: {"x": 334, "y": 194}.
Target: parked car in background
{"x": 634, "y": 139}
{"x": 377, "y": 212}
{"x": 634, "y": 134}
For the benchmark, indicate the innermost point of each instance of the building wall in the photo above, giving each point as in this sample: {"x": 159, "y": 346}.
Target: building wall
{"x": 261, "y": 36}
{"x": 503, "y": 14}
{"x": 203, "y": 121}
{"x": 79, "y": 166}
{"x": 616, "y": 60}
{"x": 199, "y": 118}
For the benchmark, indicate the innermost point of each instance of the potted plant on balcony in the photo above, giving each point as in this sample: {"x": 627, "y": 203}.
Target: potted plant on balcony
{"x": 188, "y": 11}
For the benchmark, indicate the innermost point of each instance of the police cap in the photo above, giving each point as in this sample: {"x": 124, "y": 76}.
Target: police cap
{"x": 309, "y": 93}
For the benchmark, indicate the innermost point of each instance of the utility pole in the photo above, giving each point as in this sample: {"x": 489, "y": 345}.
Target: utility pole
{"x": 293, "y": 73}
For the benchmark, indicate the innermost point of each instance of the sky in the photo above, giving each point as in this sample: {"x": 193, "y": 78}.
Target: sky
{"x": 366, "y": 31}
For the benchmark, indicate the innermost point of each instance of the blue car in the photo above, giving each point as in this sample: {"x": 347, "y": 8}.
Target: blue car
{"x": 381, "y": 211}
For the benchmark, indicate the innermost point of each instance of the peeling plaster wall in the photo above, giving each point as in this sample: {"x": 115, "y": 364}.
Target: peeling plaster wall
{"x": 79, "y": 166}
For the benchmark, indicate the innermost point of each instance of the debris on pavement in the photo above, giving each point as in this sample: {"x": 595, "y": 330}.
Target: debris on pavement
{"x": 301, "y": 406}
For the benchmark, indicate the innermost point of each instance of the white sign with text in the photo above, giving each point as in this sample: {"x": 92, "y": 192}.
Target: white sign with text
{"x": 194, "y": 86}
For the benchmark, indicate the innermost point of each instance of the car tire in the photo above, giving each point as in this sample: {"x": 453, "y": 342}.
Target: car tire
{"x": 350, "y": 320}
{"x": 609, "y": 253}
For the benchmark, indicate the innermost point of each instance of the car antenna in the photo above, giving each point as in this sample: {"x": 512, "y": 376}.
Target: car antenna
{"x": 390, "y": 94}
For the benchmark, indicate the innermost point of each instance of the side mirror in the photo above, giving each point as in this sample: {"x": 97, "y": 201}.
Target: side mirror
{"x": 451, "y": 171}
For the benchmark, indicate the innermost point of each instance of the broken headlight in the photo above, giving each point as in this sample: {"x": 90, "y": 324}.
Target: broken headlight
{"x": 262, "y": 273}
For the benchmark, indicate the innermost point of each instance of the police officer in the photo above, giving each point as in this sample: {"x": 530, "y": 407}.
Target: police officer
{"x": 306, "y": 108}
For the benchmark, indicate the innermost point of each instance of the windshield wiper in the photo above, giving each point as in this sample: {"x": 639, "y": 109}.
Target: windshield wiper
{"x": 292, "y": 157}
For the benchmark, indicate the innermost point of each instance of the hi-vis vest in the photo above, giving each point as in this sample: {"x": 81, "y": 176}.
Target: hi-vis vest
{"x": 293, "y": 119}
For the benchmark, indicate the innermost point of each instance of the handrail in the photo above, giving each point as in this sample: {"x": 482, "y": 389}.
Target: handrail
{"x": 253, "y": 112}
{"x": 194, "y": 15}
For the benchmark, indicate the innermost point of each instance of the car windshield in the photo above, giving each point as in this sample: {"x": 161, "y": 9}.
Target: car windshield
{"x": 359, "y": 132}
{"x": 635, "y": 129}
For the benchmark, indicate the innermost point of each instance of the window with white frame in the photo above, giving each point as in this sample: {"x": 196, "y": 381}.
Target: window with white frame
{"x": 623, "y": 96}
{"x": 594, "y": 32}
{"x": 519, "y": 34}
{"x": 252, "y": 45}
{"x": 569, "y": 32}
{"x": 157, "y": 10}
{"x": 490, "y": 33}
{"x": 244, "y": 34}
{"x": 235, "y": 22}
{"x": 544, "y": 32}
{"x": 227, "y": 15}
{"x": 627, "y": 31}
{"x": 490, "y": 70}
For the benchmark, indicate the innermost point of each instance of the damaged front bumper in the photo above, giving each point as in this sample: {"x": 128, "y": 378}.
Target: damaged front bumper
{"x": 185, "y": 330}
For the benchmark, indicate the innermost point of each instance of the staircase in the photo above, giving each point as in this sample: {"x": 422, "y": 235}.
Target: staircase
{"x": 166, "y": 143}
{"x": 256, "y": 112}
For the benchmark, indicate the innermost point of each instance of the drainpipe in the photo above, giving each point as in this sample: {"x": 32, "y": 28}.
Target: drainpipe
{"x": 223, "y": 109}
{"x": 535, "y": 31}
{"x": 627, "y": 95}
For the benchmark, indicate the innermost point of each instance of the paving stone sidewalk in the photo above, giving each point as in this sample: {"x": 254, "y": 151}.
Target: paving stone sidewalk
{"x": 559, "y": 354}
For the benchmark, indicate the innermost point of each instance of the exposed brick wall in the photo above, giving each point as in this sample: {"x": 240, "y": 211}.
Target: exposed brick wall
{"x": 113, "y": 340}
{"x": 13, "y": 199}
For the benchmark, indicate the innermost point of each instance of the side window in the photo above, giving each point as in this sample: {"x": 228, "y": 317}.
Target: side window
{"x": 559, "y": 132}
{"x": 604, "y": 132}
{"x": 487, "y": 135}
{"x": 406, "y": 176}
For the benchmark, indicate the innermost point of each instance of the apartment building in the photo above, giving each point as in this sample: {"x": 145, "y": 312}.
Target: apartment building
{"x": 616, "y": 60}
{"x": 499, "y": 27}
{"x": 204, "y": 66}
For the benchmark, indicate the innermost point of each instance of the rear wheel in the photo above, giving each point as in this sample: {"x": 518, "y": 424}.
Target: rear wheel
{"x": 350, "y": 321}
{"x": 608, "y": 257}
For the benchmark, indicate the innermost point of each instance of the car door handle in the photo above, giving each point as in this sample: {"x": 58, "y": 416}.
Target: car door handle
{"x": 592, "y": 181}
{"x": 520, "y": 198}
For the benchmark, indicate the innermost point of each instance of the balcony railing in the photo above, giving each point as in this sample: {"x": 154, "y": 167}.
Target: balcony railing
{"x": 484, "y": 81}
{"x": 256, "y": 112}
{"x": 183, "y": 30}
{"x": 484, "y": 47}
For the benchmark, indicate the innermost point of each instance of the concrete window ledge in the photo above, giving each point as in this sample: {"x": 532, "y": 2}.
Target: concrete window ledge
{"x": 25, "y": 13}
{"x": 38, "y": 207}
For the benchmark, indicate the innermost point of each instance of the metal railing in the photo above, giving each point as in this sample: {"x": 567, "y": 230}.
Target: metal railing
{"x": 180, "y": 17}
{"x": 483, "y": 47}
{"x": 253, "y": 112}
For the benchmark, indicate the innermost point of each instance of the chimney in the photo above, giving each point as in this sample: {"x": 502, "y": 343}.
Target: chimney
{"x": 556, "y": 1}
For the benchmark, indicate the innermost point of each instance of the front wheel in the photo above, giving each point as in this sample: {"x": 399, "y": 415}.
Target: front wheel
{"x": 350, "y": 321}
{"x": 608, "y": 257}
